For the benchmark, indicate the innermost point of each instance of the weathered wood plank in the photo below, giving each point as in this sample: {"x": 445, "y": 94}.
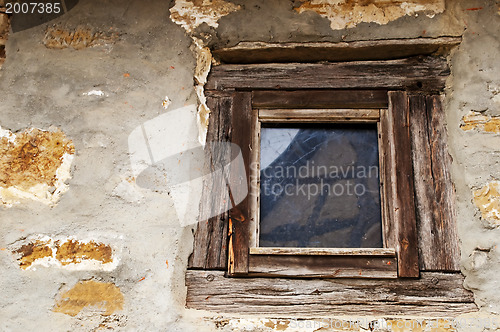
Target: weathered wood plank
{"x": 210, "y": 241}
{"x": 402, "y": 203}
{"x": 446, "y": 245}
{"x": 242, "y": 126}
{"x": 434, "y": 191}
{"x": 323, "y": 251}
{"x": 320, "y": 115}
{"x": 425, "y": 197}
{"x": 254, "y": 191}
{"x": 258, "y": 52}
{"x": 324, "y": 266}
{"x": 320, "y": 99}
{"x": 387, "y": 178}
{"x": 419, "y": 73}
{"x": 434, "y": 294}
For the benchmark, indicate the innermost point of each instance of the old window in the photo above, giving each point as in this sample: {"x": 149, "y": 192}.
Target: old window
{"x": 318, "y": 199}
{"x": 364, "y": 139}
{"x": 383, "y": 116}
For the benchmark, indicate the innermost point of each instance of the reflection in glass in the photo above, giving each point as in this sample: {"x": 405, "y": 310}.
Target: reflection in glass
{"x": 319, "y": 187}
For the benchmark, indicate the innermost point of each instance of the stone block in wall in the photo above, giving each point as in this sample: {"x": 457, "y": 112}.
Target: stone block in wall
{"x": 487, "y": 199}
{"x": 65, "y": 252}
{"x": 77, "y": 38}
{"x": 104, "y": 297}
{"x": 478, "y": 121}
{"x": 34, "y": 164}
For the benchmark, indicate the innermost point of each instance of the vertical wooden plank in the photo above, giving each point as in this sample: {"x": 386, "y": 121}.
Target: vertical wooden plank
{"x": 434, "y": 191}
{"x": 401, "y": 204}
{"x": 387, "y": 183}
{"x": 239, "y": 216}
{"x": 210, "y": 241}
{"x": 425, "y": 199}
{"x": 446, "y": 247}
{"x": 254, "y": 191}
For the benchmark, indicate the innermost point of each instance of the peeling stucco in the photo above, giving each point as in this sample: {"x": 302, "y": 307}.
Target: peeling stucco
{"x": 191, "y": 14}
{"x": 478, "y": 121}
{"x": 203, "y": 65}
{"x": 64, "y": 252}
{"x": 349, "y": 13}
{"x": 103, "y": 297}
{"x": 34, "y": 164}
{"x": 487, "y": 199}
{"x": 359, "y": 324}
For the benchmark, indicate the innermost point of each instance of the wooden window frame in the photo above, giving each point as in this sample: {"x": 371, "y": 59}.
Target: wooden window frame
{"x": 398, "y": 212}
{"x": 314, "y": 262}
{"x": 420, "y": 205}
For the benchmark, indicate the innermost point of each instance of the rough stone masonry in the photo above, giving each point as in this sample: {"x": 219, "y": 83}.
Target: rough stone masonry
{"x": 84, "y": 247}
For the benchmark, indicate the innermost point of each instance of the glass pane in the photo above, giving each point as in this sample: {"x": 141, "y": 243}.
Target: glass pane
{"x": 320, "y": 187}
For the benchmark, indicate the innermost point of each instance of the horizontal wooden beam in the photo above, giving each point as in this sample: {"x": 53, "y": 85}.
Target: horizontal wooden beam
{"x": 419, "y": 73}
{"x": 320, "y": 99}
{"x": 324, "y": 251}
{"x": 319, "y": 115}
{"x": 322, "y": 266}
{"x": 258, "y": 52}
{"x": 433, "y": 295}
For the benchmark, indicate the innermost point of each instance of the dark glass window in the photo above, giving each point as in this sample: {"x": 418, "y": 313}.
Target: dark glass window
{"x": 320, "y": 186}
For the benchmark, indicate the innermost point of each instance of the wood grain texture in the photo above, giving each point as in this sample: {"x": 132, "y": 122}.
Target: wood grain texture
{"x": 320, "y": 99}
{"x": 210, "y": 241}
{"x": 323, "y": 251}
{"x": 242, "y": 126}
{"x": 433, "y": 295}
{"x": 320, "y": 115}
{"x": 435, "y": 195}
{"x": 419, "y": 73}
{"x": 323, "y": 266}
{"x": 445, "y": 226}
{"x": 402, "y": 203}
{"x": 258, "y": 52}
{"x": 387, "y": 178}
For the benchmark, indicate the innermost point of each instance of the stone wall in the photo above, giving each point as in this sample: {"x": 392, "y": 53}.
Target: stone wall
{"x": 92, "y": 98}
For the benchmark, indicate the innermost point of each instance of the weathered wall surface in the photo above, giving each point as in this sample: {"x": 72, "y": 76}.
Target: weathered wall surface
{"x": 85, "y": 245}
